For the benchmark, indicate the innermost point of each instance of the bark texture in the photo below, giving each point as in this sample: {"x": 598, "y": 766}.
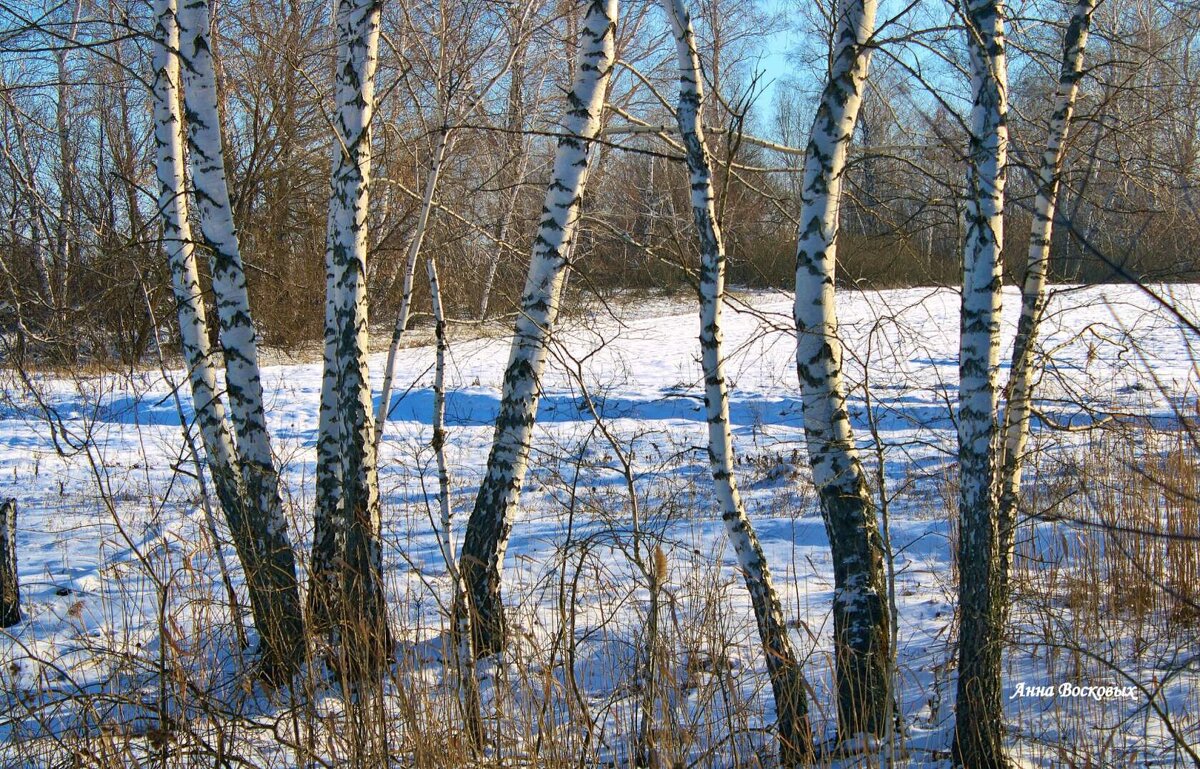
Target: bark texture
{"x": 180, "y": 251}
{"x": 860, "y": 618}
{"x": 347, "y": 556}
{"x": 787, "y": 683}
{"x": 240, "y": 459}
{"x": 495, "y": 505}
{"x": 979, "y": 727}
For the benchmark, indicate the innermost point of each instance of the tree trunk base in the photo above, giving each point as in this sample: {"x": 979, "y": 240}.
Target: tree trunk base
{"x": 10, "y": 586}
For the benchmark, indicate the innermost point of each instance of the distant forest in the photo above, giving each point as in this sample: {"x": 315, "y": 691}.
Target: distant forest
{"x": 471, "y": 94}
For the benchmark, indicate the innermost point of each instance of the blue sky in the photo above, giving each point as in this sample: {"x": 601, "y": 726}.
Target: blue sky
{"x": 774, "y": 61}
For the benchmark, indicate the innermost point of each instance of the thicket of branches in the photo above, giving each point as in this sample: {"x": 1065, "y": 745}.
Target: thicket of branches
{"x": 79, "y": 235}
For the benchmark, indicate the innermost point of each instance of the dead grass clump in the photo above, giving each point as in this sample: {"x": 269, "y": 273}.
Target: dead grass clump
{"x": 1129, "y": 531}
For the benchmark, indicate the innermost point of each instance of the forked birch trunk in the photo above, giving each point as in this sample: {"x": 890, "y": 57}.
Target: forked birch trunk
{"x": 860, "y": 618}
{"x": 783, "y": 667}
{"x": 491, "y": 519}
{"x": 279, "y": 624}
{"x": 348, "y": 494}
{"x": 1033, "y": 293}
{"x": 979, "y": 727}
{"x": 181, "y": 256}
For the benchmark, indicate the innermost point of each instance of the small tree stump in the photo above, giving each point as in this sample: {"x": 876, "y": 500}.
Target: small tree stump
{"x": 10, "y": 589}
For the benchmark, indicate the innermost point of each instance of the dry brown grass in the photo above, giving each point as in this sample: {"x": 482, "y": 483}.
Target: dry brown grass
{"x": 1106, "y": 591}
{"x": 1127, "y": 528}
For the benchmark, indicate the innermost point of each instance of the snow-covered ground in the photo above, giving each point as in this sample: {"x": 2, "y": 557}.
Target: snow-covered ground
{"x": 120, "y": 578}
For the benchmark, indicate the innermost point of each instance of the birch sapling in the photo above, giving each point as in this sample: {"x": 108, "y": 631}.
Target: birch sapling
{"x": 979, "y": 728}
{"x": 441, "y": 145}
{"x": 462, "y": 654}
{"x": 491, "y": 518}
{"x": 860, "y": 618}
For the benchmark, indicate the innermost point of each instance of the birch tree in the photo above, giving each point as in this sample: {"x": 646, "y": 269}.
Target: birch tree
{"x": 787, "y": 682}
{"x": 979, "y": 714}
{"x": 491, "y": 518}
{"x": 1033, "y": 293}
{"x": 347, "y": 559}
{"x": 181, "y": 257}
{"x": 282, "y": 631}
{"x": 860, "y": 619}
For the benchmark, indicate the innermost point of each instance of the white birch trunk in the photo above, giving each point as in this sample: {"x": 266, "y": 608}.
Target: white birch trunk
{"x": 1033, "y": 295}
{"x": 410, "y": 270}
{"x": 491, "y": 519}
{"x": 283, "y": 637}
{"x": 795, "y": 734}
{"x": 860, "y": 619}
{"x": 347, "y": 441}
{"x": 329, "y": 534}
{"x": 178, "y": 244}
{"x": 979, "y": 715}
